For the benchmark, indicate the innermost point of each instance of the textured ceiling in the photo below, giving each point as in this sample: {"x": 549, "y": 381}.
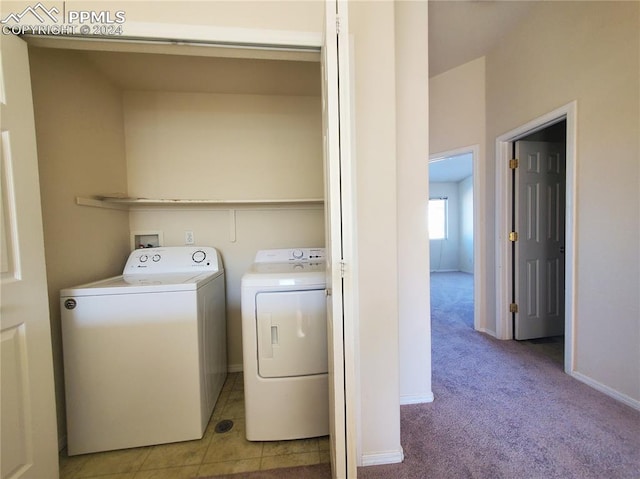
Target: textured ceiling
{"x": 461, "y": 31}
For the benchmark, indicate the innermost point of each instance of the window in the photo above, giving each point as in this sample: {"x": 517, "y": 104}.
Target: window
{"x": 437, "y": 218}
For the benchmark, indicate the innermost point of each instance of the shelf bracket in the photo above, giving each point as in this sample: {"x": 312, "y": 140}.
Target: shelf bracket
{"x": 232, "y": 225}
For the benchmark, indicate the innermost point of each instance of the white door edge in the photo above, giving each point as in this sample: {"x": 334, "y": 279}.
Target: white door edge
{"x": 350, "y": 255}
{"x": 503, "y": 215}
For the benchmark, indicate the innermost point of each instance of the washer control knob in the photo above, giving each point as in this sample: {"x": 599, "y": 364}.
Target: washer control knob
{"x": 156, "y": 258}
{"x": 199, "y": 256}
{"x": 297, "y": 253}
{"x": 144, "y": 258}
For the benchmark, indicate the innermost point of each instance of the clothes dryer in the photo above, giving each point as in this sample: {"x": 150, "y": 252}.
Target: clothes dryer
{"x": 145, "y": 352}
{"x": 284, "y": 335}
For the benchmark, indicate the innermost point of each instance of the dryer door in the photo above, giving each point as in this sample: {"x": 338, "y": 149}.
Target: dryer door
{"x": 292, "y": 333}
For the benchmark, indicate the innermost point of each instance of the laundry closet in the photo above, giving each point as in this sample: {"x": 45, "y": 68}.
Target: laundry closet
{"x": 218, "y": 146}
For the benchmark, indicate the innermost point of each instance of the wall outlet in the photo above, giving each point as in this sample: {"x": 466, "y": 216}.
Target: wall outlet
{"x": 188, "y": 237}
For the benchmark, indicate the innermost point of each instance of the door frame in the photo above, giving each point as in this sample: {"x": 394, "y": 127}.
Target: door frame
{"x": 260, "y": 40}
{"x": 479, "y": 231}
{"x": 504, "y": 327}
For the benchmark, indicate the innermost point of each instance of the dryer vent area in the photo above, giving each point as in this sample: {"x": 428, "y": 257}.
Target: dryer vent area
{"x": 217, "y": 453}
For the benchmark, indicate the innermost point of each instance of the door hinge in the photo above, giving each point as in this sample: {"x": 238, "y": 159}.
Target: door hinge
{"x": 338, "y": 24}
{"x": 342, "y": 268}
{"x": 513, "y": 236}
{"x": 513, "y": 308}
{"x": 513, "y": 164}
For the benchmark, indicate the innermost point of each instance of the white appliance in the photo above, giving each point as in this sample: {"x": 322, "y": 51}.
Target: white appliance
{"x": 145, "y": 352}
{"x": 284, "y": 338}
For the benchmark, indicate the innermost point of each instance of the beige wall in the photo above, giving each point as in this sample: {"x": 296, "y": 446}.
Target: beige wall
{"x": 307, "y": 16}
{"x": 412, "y": 146}
{"x": 191, "y": 145}
{"x": 372, "y": 27}
{"x": 457, "y": 108}
{"x": 223, "y": 146}
{"x": 588, "y": 52}
{"x": 304, "y": 16}
{"x": 254, "y": 230}
{"x": 457, "y": 119}
{"x": 80, "y": 140}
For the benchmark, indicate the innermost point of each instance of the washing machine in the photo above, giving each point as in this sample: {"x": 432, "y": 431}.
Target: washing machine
{"x": 284, "y": 339}
{"x": 145, "y": 352}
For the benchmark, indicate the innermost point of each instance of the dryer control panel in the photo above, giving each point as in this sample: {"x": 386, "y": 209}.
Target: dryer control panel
{"x": 290, "y": 255}
{"x": 173, "y": 259}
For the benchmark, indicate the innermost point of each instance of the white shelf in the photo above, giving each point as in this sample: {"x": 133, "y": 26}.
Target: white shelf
{"x": 128, "y": 203}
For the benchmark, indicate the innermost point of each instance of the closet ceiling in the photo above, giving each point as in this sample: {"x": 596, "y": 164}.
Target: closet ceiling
{"x": 170, "y": 65}
{"x": 161, "y": 72}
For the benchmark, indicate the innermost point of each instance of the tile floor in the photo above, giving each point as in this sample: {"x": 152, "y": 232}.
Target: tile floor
{"x": 215, "y": 453}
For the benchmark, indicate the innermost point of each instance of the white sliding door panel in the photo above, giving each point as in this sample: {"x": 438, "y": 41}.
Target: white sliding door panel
{"x": 336, "y": 103}
{"x": 29, "y": 435}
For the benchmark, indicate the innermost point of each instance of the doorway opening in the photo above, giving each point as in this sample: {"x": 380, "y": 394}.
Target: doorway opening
{"x": 526, "y": 285}
{"x": 538, "y": 206}
{"x": 455, "y": 262}
{"x": 305, "y": 56}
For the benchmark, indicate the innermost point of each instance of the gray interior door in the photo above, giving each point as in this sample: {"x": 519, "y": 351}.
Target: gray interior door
{"x": 539, "y": 263}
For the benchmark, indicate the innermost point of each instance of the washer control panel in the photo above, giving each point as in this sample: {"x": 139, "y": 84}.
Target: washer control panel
{"x": 173, "y": 259}
{"x": 290, "y": 255}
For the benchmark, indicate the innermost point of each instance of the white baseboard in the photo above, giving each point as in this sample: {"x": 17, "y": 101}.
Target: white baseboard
{"x": 234, "y": 368}
{"x": 379, "y": 458}
{"x": 416, "y": 399}
{"x": 623, "y": 398}
{"x": 488, "y": 331}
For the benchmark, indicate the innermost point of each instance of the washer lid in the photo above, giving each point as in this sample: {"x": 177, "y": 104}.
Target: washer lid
{"x": 138, "y": 283}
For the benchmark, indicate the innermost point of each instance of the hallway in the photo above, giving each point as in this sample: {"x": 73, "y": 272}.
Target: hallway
{"x": 506, "y": 409}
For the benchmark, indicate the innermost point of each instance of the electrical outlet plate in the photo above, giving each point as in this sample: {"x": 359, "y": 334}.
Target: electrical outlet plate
{"x": 188, "y": 237}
